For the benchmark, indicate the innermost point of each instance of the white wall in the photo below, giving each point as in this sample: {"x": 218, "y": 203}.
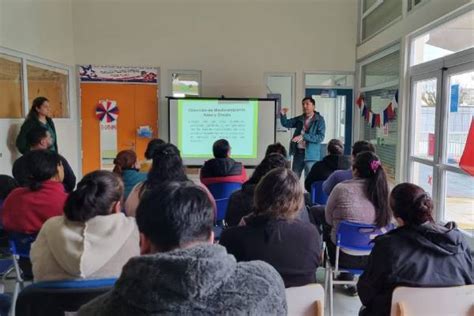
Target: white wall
{"x": 39, "y": 28}
{"x": 233, "y": 42}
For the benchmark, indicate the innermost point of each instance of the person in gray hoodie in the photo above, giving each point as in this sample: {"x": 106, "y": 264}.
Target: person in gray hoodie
{"x": 93, "y": 239}
{"x": 419, "y": 253}
{"x": 182, "y": 272}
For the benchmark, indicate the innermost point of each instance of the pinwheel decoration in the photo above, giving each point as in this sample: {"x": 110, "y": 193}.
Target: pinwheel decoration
{"x": 107, "y": 111}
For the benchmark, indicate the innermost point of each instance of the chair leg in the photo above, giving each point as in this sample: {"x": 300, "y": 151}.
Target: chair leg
{"x": 14, "y": 298}
{"x": 331, "y": 295}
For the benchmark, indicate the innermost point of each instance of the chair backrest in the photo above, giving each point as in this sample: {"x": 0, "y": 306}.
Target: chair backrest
{"x": 357, "y": 236}
{"x": 223, "y": 190}
{"x": 441, "y": 301}
{"x": 317, "y": 194}
{"x": 20, "y": 244}
{"x": 305, "y": 300}
{"x": 221, "y": 208}
{"x": 58, "y": 297}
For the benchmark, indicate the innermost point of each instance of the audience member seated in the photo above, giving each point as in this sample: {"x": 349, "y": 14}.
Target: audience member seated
{"x": 7, "y": 185}
{"x": 419, "y": 253}
{"x": 222, "y": 168}
{"x": 149, "y": 152}
{"x": 276, "y": 148}
{"x": 40, "y": 138}
{"x": 241, "y": 201}
{"x": 274, "y": 235}
{"x": 27, "y": 208}
{"x": 339, "y": 176}
{"x": 335, "y": 160}
{"x": 93, "y": 239}
{"x": 184, "y": 273}
{"x": 126, "y": 166}
{"x": 364, "y": 199}
{"x": 167, "y": 166}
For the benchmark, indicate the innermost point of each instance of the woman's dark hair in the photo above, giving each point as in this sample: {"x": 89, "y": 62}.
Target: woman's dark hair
{"x": 7, "y": 184}
{"x": 167, "y": 166}
{"x": 411, "y": 203}
{"x": 42, "y": 165}
{"x": 126, "y": 159}
{"x": 221, "y": 148}
{"x": 95, "y": 195}
{"x": 276, "y": 148}
{"x": 278, "y": 194}
{"x": 175, "y": 214}
{"x": 270, "y": 162}
{"x": 335, "y": 147}
{"x": 37, "y": 103}
{"x": 152, "y": 146}
{"x": 369, "y": 167}
{"x": 361, "y": 146}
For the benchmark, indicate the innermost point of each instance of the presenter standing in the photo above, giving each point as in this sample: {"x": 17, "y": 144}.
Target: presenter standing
{"x": 310, "y": 129}
{"x": 37, "y": 117}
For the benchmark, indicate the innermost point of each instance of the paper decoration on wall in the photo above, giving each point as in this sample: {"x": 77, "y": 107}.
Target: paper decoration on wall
{"x": 118, "y": 74}
{"x": 378, "y": 119}
{"x": 107, "y": 114}
{"x": 467, "y": 159}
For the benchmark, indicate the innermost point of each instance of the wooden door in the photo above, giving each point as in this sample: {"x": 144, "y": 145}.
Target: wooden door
{"x": 138, "y": 106}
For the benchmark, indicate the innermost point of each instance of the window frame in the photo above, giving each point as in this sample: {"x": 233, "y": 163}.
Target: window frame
{"x": 25, "y": 58}
{"x": 23, "y": 85}
{"x": 362, "y": 15}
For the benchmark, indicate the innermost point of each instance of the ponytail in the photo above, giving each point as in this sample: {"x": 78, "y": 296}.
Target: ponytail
{"x": 412, "y": 204}
{"x": 95, "y": 195}
{"x": 370, "y": 168}
{"x": 126, "y": 159}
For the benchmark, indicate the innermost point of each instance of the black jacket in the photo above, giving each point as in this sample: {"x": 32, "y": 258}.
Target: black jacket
{"x": 428, "y": 255}
{"x": 20, "y": 173}
{"x": 29, "y": 124}
{"x": 293, "y": 248}
{"x": 321, "y": 170}
{"x": 240, "y": 204}
{"x": 221, "y": 167}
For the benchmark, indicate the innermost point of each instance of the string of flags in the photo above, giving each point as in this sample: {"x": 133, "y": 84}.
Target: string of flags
{"x": 378, "y": 119}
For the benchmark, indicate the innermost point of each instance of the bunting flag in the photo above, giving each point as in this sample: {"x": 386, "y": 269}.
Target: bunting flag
{"x": 467, "y": 159}
{"x": 378, "y": 119}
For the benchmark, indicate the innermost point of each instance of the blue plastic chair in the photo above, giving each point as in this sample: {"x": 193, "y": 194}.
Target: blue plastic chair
{"x": 356, "y": 240}
{"x": 223, "y": 190}
{"x": 317, "y": 194}
{"x": 57, "y": 297}
{"x": 20, "y": 245}
{"x": 221, "y": 209}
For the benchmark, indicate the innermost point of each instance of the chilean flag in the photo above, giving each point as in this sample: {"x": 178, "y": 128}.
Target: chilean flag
{"x": 467, "y": 159}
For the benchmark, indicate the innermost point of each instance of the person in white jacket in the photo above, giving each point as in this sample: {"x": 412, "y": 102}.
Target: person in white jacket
{"x": 93, "y": 239}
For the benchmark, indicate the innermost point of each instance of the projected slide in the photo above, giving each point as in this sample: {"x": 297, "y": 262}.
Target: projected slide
{"x": 202, "y": 122}
{"x": 196, "y": 123}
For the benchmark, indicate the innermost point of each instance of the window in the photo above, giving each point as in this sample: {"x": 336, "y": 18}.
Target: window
{"x": 379, "y": 85}
{"x": 185, "y": 83}
{"x": 441, "y": 111}
{"x": 11, "y": 99}
{"x": 414, "y": 3}
{"x": 51, "y": 83}
{"x": 454, "y": 36}
{"x": 377, "y": 14}
{"x": 328, "y": 80}
{"x": 282, "y": 87}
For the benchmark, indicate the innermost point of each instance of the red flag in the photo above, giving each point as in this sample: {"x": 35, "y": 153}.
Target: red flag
{"x": 377, "y": 120}
{"x": 360, "y": 101}
{"x": 467, "y": 159}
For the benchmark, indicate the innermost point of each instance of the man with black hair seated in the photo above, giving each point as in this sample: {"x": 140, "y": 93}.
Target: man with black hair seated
{"x": 183, "y": 271}
{"x": 222, "y": 168}
{"x": 39, "y": 138}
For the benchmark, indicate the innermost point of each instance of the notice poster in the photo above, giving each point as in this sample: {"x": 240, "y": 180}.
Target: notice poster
{"x": 107, "y": 113}
{"x": 202, "y": 122}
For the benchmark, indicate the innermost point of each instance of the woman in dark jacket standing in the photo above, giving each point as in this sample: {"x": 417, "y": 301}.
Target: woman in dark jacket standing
{"x": 273, "y": 233}
{"x": 38, "y": 116}
{"x": 419, "y": 253}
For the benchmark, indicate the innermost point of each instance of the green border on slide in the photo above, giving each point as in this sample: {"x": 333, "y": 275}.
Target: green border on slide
{"x": 255, "y": 106}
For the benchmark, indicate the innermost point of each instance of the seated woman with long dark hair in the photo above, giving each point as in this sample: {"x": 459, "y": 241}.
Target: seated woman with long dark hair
{"x": 27, "y": 208}
{"x": 93, "y": 239}
{"x": 167, "y": 166}
{"x": 419, "y": 253}
{"x": 126, "y": 166}
{"x": 364, "y": 199}
{"x": 274, "y": 235}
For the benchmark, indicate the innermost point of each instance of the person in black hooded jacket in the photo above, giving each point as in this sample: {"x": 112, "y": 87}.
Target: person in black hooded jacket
{"x": 419, "y": 253}
{"x": 335, "y": 160}
{"x": 222, "y": 168}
